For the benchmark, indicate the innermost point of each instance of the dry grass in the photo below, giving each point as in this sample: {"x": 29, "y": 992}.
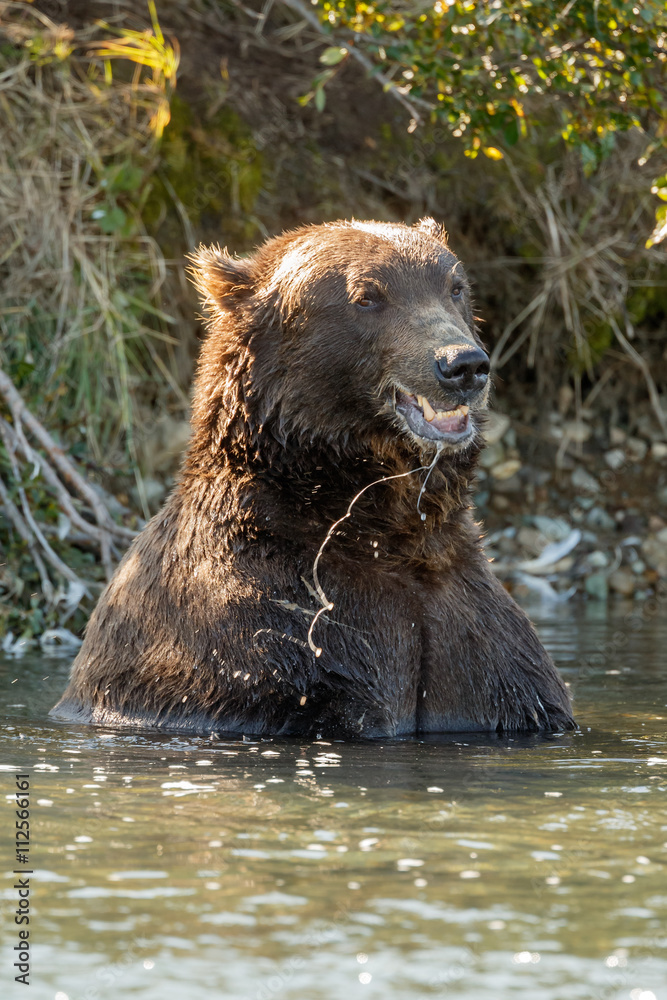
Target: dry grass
{"x": 591, "y": 253}
{"x": 79, "y": 277}
{"x": 81, "y": 331}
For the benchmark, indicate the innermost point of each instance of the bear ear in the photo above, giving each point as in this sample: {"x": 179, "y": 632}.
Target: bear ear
{"x": 218, "y": 276}
{"x": 432, "y": 228}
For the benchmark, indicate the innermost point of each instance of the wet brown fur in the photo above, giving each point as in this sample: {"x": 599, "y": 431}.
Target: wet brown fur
{"x": 204, "y": 625}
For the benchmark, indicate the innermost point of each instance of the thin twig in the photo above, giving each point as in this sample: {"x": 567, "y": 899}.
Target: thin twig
{"x": 65, "y": 466}
{"x": 642, "y": 364}
{"x": 93, "y": 531}
{"x": 14, "y": 515}
{"x": 32, "y": 526}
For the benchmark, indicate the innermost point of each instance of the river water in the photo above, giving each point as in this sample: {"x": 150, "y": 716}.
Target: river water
{"x": 168, "y": 868}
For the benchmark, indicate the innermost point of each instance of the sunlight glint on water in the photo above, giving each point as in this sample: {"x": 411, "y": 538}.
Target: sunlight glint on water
{"x": 481, "y": 869}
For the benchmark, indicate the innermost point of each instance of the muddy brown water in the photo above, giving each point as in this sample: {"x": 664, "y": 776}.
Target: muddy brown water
{"x": 172, "y": 868}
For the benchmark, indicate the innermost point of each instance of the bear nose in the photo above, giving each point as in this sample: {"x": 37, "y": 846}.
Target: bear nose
{"x": 463, "y": 370}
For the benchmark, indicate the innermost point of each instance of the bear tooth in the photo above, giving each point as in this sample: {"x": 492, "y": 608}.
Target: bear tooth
{"x": 429, "y": 412}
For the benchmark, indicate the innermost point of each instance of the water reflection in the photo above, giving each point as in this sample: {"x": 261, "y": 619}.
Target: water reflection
{"x": 468, "y": 867}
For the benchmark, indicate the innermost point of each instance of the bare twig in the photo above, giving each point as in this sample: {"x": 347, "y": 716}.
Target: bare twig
{"x": 642, "y": 364}
{"x": 14, "y": 515}
{"x": 29, "y": 521}
{"x": 100, "y": 535}
{"x": 104, "y": 533}
{"x": 65, "y": 466}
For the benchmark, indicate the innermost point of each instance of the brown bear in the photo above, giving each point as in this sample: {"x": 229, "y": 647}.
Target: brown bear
{"x": 317, "y": 569}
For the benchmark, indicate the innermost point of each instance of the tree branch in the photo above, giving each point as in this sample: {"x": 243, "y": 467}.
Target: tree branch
{"x": 30, "y": 525}
{"x": 65, "y": 466}
{"x": 410, "y": 104}
{"x": 101, "y": 535}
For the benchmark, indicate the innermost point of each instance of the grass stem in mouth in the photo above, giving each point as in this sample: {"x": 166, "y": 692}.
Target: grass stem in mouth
{"x": 327, "y": 605}
{"x": 438, "y": 451}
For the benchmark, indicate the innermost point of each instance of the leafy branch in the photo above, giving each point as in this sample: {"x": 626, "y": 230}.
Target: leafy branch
{"x": 496, "y": 73}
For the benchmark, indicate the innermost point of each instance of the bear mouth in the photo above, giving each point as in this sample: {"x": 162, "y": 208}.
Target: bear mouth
{"x": 449, "y": 426}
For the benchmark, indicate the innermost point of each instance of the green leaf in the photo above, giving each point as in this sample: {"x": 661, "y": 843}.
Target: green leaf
{"x": 661, "y": 192}
{"x": 660, "y": 231}
{"x": 511, "y": 133}
{"x": 588, "y": 158}
{"x": 333, "y": 55}
{"x": 111, "y": 219}
{"x": 125, "y": 177}
{"x": 320, "y": 99}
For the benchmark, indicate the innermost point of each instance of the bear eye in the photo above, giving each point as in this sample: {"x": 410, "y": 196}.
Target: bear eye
{"x": 365, "y": 301}
{"x": 457, "y": 291}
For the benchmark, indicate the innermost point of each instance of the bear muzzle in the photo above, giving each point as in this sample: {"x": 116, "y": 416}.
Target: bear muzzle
{"x": 462, "y": 374}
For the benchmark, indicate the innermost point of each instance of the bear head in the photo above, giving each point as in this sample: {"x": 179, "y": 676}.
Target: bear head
{"x": 343, "y": 332}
